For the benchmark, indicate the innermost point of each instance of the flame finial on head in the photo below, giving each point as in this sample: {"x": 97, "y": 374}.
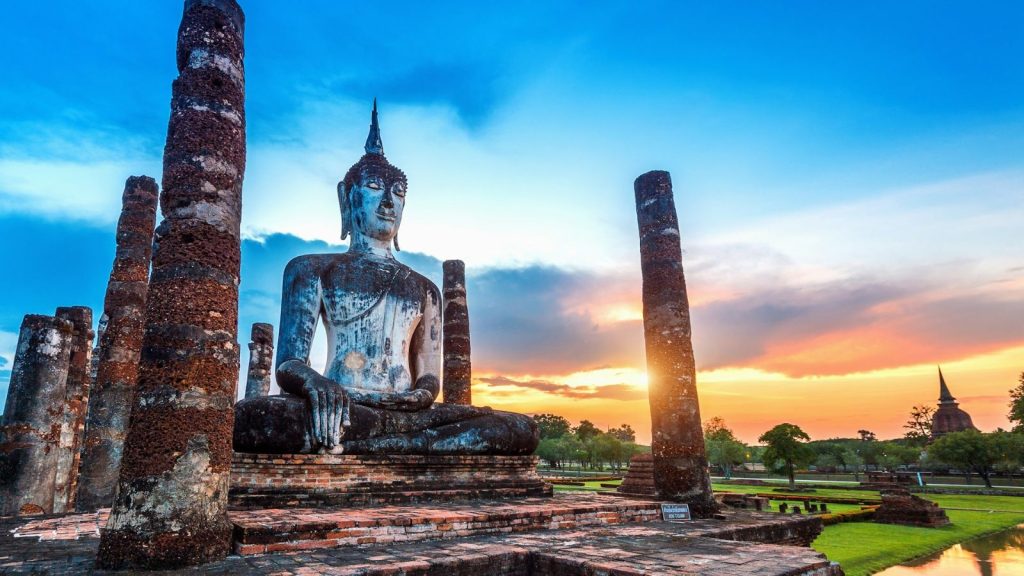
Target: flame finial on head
{"x": 373, "y": 143}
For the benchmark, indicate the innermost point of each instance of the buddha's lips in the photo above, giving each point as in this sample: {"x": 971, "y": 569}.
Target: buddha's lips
{"x": 388, "y": 217}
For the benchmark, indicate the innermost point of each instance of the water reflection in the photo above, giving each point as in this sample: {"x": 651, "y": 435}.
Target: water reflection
{"x": 1000, "y": 554}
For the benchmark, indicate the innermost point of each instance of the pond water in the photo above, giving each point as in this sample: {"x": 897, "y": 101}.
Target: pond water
{"x": 1000, "y": 554}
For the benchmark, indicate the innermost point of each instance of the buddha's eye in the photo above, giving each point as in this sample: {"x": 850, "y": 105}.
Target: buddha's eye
{"x": 398, "y": 190}
{"x": 375, "y": 184}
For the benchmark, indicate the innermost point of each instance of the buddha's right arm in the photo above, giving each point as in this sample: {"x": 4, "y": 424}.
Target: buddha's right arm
{"x": 301, "y": 297}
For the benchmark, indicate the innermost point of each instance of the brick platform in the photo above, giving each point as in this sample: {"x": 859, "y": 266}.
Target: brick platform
{"x": 67, "y": 545}
{"x": 261, "y": 531}
{"x": 315, "y": 480}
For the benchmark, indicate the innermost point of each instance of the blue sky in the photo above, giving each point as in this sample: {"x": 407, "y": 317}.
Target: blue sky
{"x": 830, "y": 160}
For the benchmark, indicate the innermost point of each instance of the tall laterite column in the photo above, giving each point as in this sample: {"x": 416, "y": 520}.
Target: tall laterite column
{"x": 458, "y": 371}
{"x": 680, "y": 464}
{"x": 119, "y": 346}
{"x": 171, "y": 504}
{"x": 76, "y": 404}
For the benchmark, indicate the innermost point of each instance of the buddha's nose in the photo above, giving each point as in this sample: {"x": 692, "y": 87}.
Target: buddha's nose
{"x": 387, "y": 201}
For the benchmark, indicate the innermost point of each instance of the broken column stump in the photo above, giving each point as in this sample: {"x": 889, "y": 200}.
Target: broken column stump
{"x": 76, "y": 404}
{"x": 261, "y": 357}
{"x": 899, "y": 506}
{"x": 34, "y": 415}
{"x": 458, "y": 371}
{"x": 171, "y": 504}
{"x": 639, "y": 480}
{"x": 119, "y": 344}
{"x": 680, "y": 464}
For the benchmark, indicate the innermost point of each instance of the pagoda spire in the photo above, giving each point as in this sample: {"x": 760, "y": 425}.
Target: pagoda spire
{"x": 944, "y": 394}
{"x": 373, "y": 142}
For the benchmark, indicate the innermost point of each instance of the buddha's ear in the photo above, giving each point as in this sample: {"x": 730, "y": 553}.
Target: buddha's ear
{"x": 397, "y": 249}
{"x": 346, "y": 214}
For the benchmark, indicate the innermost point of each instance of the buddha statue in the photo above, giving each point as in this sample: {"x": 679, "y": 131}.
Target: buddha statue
{"x": 383, "y": 323}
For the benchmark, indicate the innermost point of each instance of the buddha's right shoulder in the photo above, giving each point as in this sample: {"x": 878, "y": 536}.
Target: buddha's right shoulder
{"x": 310, "y": 264}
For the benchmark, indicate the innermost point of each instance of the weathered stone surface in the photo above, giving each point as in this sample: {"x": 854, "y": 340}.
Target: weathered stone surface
{"x": 76, "y": 403}
{"x": 639, "y": 480}
{"x": 170, "y": 507}
{"x": 34, "y": 415}
{"x": 261, "y": 358}
{"x": 458, "y": 370}
{"x": 315, "y": 480}
{"x": 118, "y": 346}
{"x": 565, "y": 535}
{"x": 680, "y": 465}
{"x": 899, "y": 506}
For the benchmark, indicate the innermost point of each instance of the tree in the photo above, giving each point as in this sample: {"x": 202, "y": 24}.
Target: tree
{"x": 786, "y": 450}
{"x": 1017, "y": 405}
{"x": 973, "y": 451}
{"x": 586, "y": 430}
{"x": 623, "y": 433}
{"x": 551, "y": 425}
{"x": 609, "y": 449}
{"x": 550, "y": 451}
{"x": 894, "y": 454}
{"x": 851, "y": 458}
{"x": 722, "y": 447}
{"x": 919, "y": 425}
{"x": 866, "y": 435}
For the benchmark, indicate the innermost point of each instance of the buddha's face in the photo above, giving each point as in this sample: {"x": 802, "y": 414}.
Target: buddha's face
{"x": 377, "y": 204}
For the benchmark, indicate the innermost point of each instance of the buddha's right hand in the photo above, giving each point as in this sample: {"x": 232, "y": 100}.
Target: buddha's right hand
{"x": 329, "y": 411}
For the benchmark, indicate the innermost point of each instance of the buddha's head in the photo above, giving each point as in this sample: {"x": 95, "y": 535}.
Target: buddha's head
{"x": 372, "y": 194}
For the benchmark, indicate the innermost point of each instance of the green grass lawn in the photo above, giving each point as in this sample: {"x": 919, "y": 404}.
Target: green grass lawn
{"x": 863, "y": 548}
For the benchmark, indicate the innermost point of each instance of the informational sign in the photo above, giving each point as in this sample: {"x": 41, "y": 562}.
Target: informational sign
{"x": 675, "y": 512}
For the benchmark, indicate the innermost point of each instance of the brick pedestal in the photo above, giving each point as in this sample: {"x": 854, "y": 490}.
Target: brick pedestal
{"x": 266, "y": 480}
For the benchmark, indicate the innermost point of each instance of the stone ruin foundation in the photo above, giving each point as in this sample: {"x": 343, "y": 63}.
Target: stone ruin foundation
{"x": 899, "y": 506}
{"x": 639, "y": 480}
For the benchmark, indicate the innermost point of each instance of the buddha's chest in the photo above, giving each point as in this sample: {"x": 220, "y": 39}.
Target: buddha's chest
{"x": 371, "y": 310}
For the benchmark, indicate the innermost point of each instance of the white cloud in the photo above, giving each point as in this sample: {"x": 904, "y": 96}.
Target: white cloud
{"x": 8, "y": 343}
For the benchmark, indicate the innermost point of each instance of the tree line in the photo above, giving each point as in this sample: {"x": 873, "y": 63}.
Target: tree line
{"x": 786, "y": 449}
{"x": 585, "y": 445}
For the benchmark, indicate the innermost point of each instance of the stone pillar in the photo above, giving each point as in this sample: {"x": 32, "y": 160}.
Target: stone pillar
{"x": 261, "y": 357}
{"x": 458, "y": 371}
{"x": 119, "y": 343}
{"x": 76, "y": 403}
{"x": 680, "y": 465}
{"x": 171, "y": 504}
{"x": 33, "y": 415}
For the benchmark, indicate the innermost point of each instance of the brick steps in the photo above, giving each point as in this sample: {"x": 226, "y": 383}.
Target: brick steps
{"x": 262, "y": 531}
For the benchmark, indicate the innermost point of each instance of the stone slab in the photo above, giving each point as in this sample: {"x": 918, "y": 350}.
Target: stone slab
{"x": 320, "y": 480}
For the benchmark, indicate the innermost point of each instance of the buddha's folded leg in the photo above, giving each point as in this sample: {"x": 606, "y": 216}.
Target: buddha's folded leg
{"x": 280, "y": 425}
{"x": 494, "y": 433}
{"x": 272, "y": 425}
